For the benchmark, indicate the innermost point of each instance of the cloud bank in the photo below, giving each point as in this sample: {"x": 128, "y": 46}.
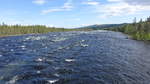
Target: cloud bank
{"x": 122, "y": 7}
{"x": 138, "y": 2}
{"x": 111, "y": 8}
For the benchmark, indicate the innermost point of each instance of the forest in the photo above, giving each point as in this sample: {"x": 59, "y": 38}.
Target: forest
{"x": 9, "y": 30}
{"x": 137, "y": 30}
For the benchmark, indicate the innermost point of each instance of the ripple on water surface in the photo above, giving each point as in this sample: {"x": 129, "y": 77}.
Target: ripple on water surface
{"x": 96, "y": 57}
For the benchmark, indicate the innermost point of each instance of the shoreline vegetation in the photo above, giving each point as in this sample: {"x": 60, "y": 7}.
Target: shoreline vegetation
{"x": 14, "y": 30}
{"x": 136, "y": 30}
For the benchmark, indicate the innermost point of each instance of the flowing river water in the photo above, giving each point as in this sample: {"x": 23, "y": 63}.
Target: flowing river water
{"x": 94, "y": 57}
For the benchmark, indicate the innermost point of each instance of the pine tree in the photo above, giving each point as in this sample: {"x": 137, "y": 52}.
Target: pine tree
{"x": 148, "y": 19}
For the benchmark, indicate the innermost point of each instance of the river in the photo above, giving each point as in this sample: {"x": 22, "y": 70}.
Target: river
{"x": 94, "y": 57}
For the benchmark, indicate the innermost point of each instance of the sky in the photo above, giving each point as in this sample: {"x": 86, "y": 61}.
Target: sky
{"x": 72, "y": 13}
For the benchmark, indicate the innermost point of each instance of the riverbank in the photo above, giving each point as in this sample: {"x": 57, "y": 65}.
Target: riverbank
{"x": 137, "y": 31}
{"x": 15, "y": 30}
{"x": 18, "y": 35}
{"x": 137, "y": 36}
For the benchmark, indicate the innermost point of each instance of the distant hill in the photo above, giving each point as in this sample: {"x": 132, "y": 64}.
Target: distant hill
{"x": 103, "y": 26}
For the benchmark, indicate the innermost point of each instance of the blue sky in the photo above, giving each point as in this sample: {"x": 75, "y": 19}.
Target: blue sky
{"x": 72, "y": 13}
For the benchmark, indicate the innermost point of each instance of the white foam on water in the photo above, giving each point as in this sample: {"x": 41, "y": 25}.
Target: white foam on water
{"x": 38, "y": 72}
{"x": 56, "y": 75}
{"x": 69, "y": 60}
{"x": 54, "y": 35}
{"x": 84, "y": 45}
{"x": 59, "y": 39}
{"x": 92, "y": 32}
{"x": 52, "y": 81}
{"x": 101, "y": 31}
{"x": 22, "y": 46}
{"x": 60, "y": 48}
{"x": 82, "y": 40}
{"x": 11, "y": 50}
{"x": 13, "y": 80}
{"x": 35, "y": 38}
{"x": 40, "y": 59}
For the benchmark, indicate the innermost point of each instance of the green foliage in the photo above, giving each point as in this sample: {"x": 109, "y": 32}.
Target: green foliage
{"x": 6, "y": 30}
{"x": 139, "y": 31}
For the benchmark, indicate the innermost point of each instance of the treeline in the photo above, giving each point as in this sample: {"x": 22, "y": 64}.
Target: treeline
{"x": 7, "y": 30}
{"x": 137, "y": 30}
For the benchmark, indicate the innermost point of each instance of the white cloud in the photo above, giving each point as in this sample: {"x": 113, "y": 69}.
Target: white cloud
{"x": 111, "y": 8}
{"x": 68, "y": 6}
{"x": 93, "y": 3}
{"x": 138, "y": 2}
{"x": 52, "y": 10}
{"x": 133, "y": 2}
{"x": 119, "y": 8}
{"x": 39, "y": 2}
{"x": 113, "y": 0}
